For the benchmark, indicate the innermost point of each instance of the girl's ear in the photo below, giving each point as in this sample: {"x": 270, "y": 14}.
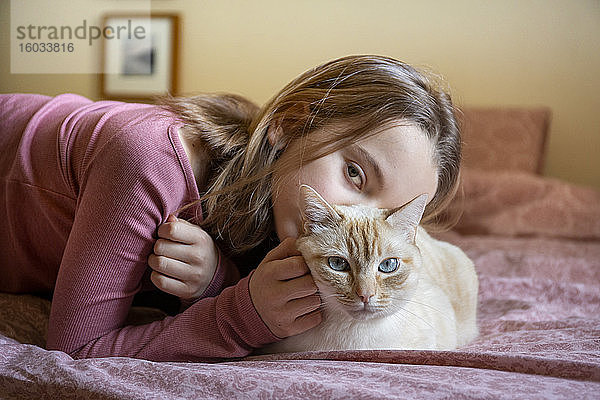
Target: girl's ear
{"x": 291, "y": 118}
{"x": 317, "y": 213}
{"x": 406, "y": 218}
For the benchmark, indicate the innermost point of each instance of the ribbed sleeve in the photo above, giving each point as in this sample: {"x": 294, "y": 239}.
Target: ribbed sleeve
{"x": 212, "y": 329}
{"x": 92, "y": 182}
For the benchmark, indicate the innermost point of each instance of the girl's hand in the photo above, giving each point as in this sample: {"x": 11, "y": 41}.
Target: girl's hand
{"x": 184, "y": 260}
{"x": 284, "y": 293}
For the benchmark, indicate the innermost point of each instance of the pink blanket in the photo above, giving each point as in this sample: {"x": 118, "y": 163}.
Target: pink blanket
{"x": 539, "y": 317}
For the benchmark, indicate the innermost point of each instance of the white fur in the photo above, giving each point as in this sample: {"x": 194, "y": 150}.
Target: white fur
{"x": 440, "y": 314}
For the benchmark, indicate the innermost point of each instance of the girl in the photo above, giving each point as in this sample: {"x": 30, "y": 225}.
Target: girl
{"x": 85, "y": 186}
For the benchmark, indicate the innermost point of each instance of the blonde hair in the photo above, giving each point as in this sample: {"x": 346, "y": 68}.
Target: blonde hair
{"x": 364, "y": 93}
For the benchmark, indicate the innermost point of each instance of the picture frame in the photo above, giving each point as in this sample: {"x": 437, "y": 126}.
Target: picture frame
{"x": 140, "y": 56}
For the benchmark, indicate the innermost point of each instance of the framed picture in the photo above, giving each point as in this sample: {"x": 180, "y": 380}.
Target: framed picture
{"x": 139, "y": 55}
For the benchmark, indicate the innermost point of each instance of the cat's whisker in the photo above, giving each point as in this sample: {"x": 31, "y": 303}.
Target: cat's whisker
{"x": 421, "y": 318}
{"x": 444, "y": 315}
{"x": 308, "y": 310}
{"x": 329, "y": 305}
{"x": 330, "y": 296}
{"x": 403, "y": 318}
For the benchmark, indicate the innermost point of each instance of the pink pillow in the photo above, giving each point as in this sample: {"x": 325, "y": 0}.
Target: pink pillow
{"x": 497, "y": 139}
{"x": 517, "y": 203}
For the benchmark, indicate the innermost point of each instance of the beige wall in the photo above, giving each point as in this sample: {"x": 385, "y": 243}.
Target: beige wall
{"x": 504, "y": 52}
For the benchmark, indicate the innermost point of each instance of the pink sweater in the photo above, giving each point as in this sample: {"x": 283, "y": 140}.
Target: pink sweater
{"x": 84, "y": 186}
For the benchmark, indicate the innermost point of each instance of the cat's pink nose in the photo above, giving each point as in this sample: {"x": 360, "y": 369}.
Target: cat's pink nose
{"x": 365, "y": 297}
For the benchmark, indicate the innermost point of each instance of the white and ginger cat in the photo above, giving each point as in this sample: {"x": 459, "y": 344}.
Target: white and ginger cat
{"x": 384, "y": 282}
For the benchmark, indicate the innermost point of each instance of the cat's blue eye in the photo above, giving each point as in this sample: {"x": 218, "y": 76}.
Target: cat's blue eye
{"x": 338, "y": 263}
{"x": 389, "y": 265}
{"x": 354, "y": 174}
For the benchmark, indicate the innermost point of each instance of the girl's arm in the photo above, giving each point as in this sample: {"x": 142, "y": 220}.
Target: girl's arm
{"x": 124, "y": 192}
{"x": 282, "y": 289}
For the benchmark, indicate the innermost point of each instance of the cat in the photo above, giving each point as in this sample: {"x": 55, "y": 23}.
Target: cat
{"x": 384, "y": 282}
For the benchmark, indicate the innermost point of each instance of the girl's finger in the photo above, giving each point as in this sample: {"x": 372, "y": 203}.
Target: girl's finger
{"x": 179, "y": 230}
{"x": 169, "y": 285}
{"x": 286, "y": 249}
{"x": 290, "y": 268}
{"x": 306, "y": 322}
{"x": 300, "y": 287}
{"x": 170, "y": 267}
{"x": 304, "y": 305}
{"x": 175, "y": 250}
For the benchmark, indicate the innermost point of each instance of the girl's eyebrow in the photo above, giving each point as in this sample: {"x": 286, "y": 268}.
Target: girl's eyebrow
{"x": 369, "y": 159}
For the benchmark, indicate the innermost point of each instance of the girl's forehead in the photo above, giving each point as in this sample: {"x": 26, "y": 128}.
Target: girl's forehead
{"x": 400, "y": 133}
{"x": 403, "y": 142}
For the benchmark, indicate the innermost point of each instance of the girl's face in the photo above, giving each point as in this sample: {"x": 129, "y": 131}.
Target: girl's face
{"x": 385, "y": 170}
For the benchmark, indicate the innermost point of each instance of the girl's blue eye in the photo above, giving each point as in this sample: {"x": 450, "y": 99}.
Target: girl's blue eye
{"x": 389, "y": 265}
{"x": 354, "y": 174}
{"x": 338, "y": 264}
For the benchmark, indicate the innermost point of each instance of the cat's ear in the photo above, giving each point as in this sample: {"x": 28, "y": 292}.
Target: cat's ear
{"x": 406, "y": 218}
{"x": 317, "y": 213}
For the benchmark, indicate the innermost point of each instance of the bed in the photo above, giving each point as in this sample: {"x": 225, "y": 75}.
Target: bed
{"x": 535, "y": 242}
